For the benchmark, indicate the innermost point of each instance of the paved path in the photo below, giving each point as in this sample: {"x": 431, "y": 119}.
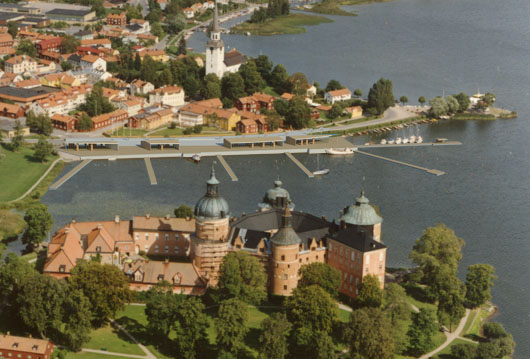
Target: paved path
{"x": 37, "y": 183}
{"x": 103, "y": 352}
{"x": 392, "y": 114}
{"x": 450, "y": 337}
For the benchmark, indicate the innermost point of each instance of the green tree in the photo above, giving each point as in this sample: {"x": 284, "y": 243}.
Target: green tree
{"x": 160, "y": 309}
{"x": 439, "y": 107}
{"x": 76, "y": 319}
{"x": 39, "y": 222}
{"x": 395, "y": 302}
{"x": 494, "y": 330}
{"x": 358, "y": 92}
{"x": 242, "y": 276}
{"x": 281, "y": 107}
{"x": 463, "y": 351}
{"x": 18, "y": 138}
{"x": 264, "y": 66}
{"x": 437, "y": 254}
{"x": 451, "y": 301}
{"x": 324, "y": 346}
{"x": 298, "y": 84}
{"x": 41, "y": 124}
{"x": 463, "y": 101}
{"x": 278, "y": 79}
{"x": 333, "y": 85}
{"x": 299, "y": 113}
{"x": 26, "y": 47}
{"x": 105, "y": 286}
{"x": 231, "y": 325}
{"x": 422, "y": 100}
{"x": 66, "y": 66}
{"x": 381, "y": 96}
{"x": 336, "y": 110}
{"x": 181, "y": 50}
{"x": 421, "y": 331}
{"x": 156, "y": 29}
{"x": 43, "y": 149}
{"x": 489, "y": 99}
{"x": 403, "y": 100}
{"x": 273, "y": 339}
{"x": 452, "y": 104}
{"x": 85, "y": 122}
{"x": 133, "y": 12}
{"x": 12, "y": 28}
{"x": 369, "y": 335}
{"x": 274, "y": 121}
{"x": 251, "y": 77}
{"x": 370, "y": 294}
{"x": 321, "y": 274}
{"x": 190, "y": 327}
{"x": 69, "y": 44}
{"x": 97, "y": 104}
{"x": 479, "y": 280}
{"x": 211, "y": 87}
{"x": 232, "y": 87}
{"x": 184, "y": 211}
{"x": 176, "y": 23}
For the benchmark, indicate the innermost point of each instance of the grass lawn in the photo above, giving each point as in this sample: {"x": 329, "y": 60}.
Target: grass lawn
{"x": 112, "y": 340}
{"x": 474, "y": 329}
{"x": 19, "y": 172}
{"x": 170, "y": 132}
{"x": 11, "y": 224}
{"x": 469, "y": 321}
{"x": 288, "y": 24}
{"x": 344, "y": 316}
{"x": 87, "y": 355}
{"x": 333, "y": 7}
{"x": 126, "y": 132}
{"x": 270, "y": 91}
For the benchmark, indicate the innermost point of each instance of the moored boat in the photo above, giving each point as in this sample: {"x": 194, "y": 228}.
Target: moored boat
{"x": 339, "y": 151}
{"x": 196, "y": 158}
{"x": 383, "y": 141}
{"x": 398, "y": 141}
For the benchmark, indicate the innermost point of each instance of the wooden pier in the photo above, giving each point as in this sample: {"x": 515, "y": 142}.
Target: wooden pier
{"x": 227, "y": 168}
{"x": 150, "y": 171}
{"x": 70, "y": 174}
{"x": 431, "y": 171}
{"x": 300, "y": 165}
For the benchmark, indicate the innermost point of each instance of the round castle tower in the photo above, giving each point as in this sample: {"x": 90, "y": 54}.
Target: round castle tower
{"x": 284, "y": 259}
{"x": 210, "y": 243}
{"x": 276, "y": 197}
{"x": 364, "y": 216}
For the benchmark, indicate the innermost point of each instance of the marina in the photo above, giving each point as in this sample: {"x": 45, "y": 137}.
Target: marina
{"x": 70, "y": 174}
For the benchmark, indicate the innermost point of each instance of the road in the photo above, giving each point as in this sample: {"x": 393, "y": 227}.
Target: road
{"x": 394, "y": 113}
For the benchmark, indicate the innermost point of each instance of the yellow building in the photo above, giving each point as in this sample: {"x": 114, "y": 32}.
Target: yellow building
{"x": 227, "y": 119}
{"x": 61, "y": 80}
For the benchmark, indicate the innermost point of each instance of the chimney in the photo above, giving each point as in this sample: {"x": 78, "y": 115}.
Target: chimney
{"x": 99, "y": 225}
{"x": 188, "y": 218}
{"x": 73, "y": 220}
{"x": 167, "y": 216}
{"x": 116, "y": 219}
{"x": 148, "y": 215}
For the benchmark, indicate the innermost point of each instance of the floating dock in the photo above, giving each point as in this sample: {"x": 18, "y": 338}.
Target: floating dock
{"x": 70, "y": 174}
{"x": 150, "y": 171}
{"x": 428, "y": 170}
{"x": 227, "y": 168}
{"x": 300, "y": 165}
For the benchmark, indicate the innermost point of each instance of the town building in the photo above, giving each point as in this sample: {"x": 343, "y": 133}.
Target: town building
{"x": 217, "y": 62}
{"x": 168, "y": 95}
{"x": 107, "y": 119}
{"x": 71, "y": 15}
{"x": 6, "y": 40}
{"x": 20, "y": 64}
{"x": 188, "y": 13}
{"x": 338, "y": 95}
{"x": 117, "y": 19}
{"x": 7, "y": 128}
{"x": 141, "y": 87}
{"x": 23, "y": 347}
{"x": 157, "y": 55}
{"x": 354, "y": 111}
{"x": 49, "y": 45}
{"x": 93, "y": 62}
{"x": 11, "y": 111}
{"x": 64, "y": 122}
{"x": 255, "y": 103}
{"x": 25, "y": 97}
{"x": 151, "y": 117}
{"x": 188, "y": 252}
{"x": 208, "y": 112}
{"x": 68, "y": 99}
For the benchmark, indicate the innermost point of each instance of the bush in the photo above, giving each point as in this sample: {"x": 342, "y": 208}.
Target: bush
{"x": 494, "y": 330}
{"x": 172, "y": 125}
{"x": 463, "y": 351}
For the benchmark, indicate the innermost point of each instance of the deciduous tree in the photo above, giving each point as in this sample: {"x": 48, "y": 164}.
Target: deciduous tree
{"x": 232, "y": 87}
{"x": 85, "y": 122}
{"x": 451, "y": 298}
{"x": 321, "y": 274}
{"x": 403, "y": 100}
{"x": 231, "y": 325}
{"x": 184, "y": 211}
{"x": 333, "y": 85}
{"x": 12, "y": 28}
{"x": 358, "y": 92}
{"x": 26, "y": 47}
{"x": 452, "y": 104}
{"x": 395, "y": 302}
{"x": 370, "y": 294}
{"x": 298, "y": 83}
{"x": 190, "y": 327}
{"x": 369, "y": 335}
{"x": 76, "y": 319}
{"x": 298, "y": 114}
{"x": 251, "y": 77}
{"x": 39, "y": 222}
{"x": 18, "y": 140}
{"x": 479, "y": 280}
{"x": 160, "y": 309}
{"x": 438, "y": 107}
{"x": 278, "y": 79}
{"x": 43, "y": 149}
{"x": 381, "y": 96}
{"x": 422, "y": 100}
{"x": 273, "y": 338}
{"x": 421, "y": 331}
{"x": 463, "y": 101}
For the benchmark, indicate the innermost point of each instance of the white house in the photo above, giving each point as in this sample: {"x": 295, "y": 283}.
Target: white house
{"x": 169, "y": 95}
{"x": 189, "y": 13}
{"x": 311, "y": 91}
{"x": 338, "y": 95}
{"x": 93, "y": 62}
{"x": 20, "y": 64}
{"x": 141, "y": 87}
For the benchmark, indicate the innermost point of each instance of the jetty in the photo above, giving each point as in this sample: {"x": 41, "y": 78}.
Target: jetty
{"x": 150, "y": 171}
{"x": 300, "y": 165}
{"x": 227, "y": 168}
{"x": 428, "y": 170}
{"x": 70, "y": 174}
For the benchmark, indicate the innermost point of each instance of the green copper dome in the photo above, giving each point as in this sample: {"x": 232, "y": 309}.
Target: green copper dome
{"x": 212, "y": 205}
{"x": 276, "y": 197}
{"x": 286, "y": 235}
{"x": 361, "y": 213}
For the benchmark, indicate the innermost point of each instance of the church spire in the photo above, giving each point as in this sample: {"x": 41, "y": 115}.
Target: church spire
{"x": 215, "y": 21}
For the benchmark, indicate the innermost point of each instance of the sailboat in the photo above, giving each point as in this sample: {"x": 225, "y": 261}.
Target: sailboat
{"x": 320, "y": 172}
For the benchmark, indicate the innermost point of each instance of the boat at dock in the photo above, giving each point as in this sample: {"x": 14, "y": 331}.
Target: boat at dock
{"x": 320, "y": 172}
{"x": 339, "y": 151}
{"x": 398, "y": 141}
{"x": 196, "y": 158}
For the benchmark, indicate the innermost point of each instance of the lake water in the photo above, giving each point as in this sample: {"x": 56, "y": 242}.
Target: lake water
{"x": 425, "y": 48}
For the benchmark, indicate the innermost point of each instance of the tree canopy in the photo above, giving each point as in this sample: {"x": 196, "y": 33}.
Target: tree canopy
{"x": 321, "y": 274}
{"x": 184, "y": 211}
{"x": 39, "y": 222}
{"x": 231, "y": 325}
{"x": 381, "y": 96}
{"x": 273, "y": 339}
{"x": 43, "y": 149}
{"x": 298, "y": 113}
{"x": 479, "y": 280}
{"x": 370, "y": 294}
{"x": 421, "y": 331}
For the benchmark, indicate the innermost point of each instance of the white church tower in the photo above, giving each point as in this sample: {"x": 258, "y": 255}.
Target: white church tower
{"x": 215, "y": 49}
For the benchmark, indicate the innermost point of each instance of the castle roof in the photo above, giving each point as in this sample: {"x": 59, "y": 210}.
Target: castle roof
{"x": 361, "y": 213}
{"x": 212, "y": 205}
{"x": 286, "y": 235}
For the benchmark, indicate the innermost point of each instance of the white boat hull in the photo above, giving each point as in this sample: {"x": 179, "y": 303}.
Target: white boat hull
{"x": 339, "y": 151}
{"x": 321, "y": 172}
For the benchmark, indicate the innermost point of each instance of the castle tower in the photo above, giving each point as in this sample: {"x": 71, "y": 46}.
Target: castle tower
{"x": 364, "y": 217}
{"x": 276, "y": 197}
{"x": 215, "y": 48}
{"x": 284, "y": 260}
{"x": 210, "y": 243}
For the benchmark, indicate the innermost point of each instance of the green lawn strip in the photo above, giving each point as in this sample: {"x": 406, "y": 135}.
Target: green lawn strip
{"x": 344, "y": 315}
{"x": 484, "y": 312}
{"x": 469, "y": 321}
{"x": 287, "y": 24}
{"x": 11, "y": 224}
{"x": 28, "y": 257}
{"x": 88, "y": 355}
{"x": 270, "y": 91}
{"x": 19, "y": 172}
{"x": 169, "y": 132}
{"x": 128, "y": 132}
{"x": 112, "y": 340}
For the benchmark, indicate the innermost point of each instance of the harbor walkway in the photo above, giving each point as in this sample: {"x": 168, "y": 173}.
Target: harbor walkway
{"x": 431, "y": 171}
{"x": 150, "y": 171}
{"x": 300, "y": 165}
{"x": 70, "y": 174}
{"x": 227, "y": 168}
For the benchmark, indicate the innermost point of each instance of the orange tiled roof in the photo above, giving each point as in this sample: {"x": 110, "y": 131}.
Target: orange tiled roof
{"x": 340, "y": 92}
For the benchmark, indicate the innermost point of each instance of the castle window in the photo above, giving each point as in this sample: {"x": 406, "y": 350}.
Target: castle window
{"x": 156, "y": 236}
{"x": 62, "y": 268}
{"x": 166, "y": 237}
{"x": 147, "y": 236}
{"x": 146, "y": 247}
{"x": 380, "y": 266}
{"x": 136, "y": 236}
{"x": 176, "y": 237}
{"x": 262, "y": 249}
{"x": 160, "y": 277}
{"x": 345, "y": 275}
{"x": 313, "y": 248}
{"x": 367, "y": 269}
{"x": 285, "y": 277}
{"x": 283, "y": 257}
{"x": 307, "y": 259}
{"x": 330, "y": 246}
{"x": 176, "y": 250}
{"x": 367, "y": 259}
{"x": 156, "y": 248}
{"x": 317, "y": 256}
{"x": 381, "y": 256}
{"x": 300, "y": 260}
{"x": 98, "y": 249}
{"x": 288, "y": 266}
{"x": 166, "y": 249}
{"x": 352, "y": 256}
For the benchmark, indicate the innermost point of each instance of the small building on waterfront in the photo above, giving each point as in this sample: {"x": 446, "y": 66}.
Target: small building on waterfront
{"x": 338, "y": 95}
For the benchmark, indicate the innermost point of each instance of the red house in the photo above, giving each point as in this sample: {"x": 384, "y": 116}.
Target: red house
{"x": 117, "y": 19}
{"x": 248, "y": 103}
{"x": 51, "y": 45}
{"x": 247, "y": 126}
{"x": 65, "y": 123}
{"x": 21, "y": 347}
{"x": 6, "y": 40}
{"x": 265, "y": 101}
{"x": 11, "y": 111}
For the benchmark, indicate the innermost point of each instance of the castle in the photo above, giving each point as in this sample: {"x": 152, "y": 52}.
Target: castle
{"x": 188, "y": 252}
{"x": 217, "y": 61}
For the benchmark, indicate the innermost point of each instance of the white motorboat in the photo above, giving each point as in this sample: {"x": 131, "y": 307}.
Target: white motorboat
{"x": 320, "y": 172}
{"x": 412, "y": 139}
{"x": 398, "y": 141}
{"x": 405, "y": 140}
{"x": 196, "y": 158}
{"x": 391, "y": 142}
{"x": 419, "y": 139}
{"x": 339, "y": 151}
{"x": 383, "y": 141}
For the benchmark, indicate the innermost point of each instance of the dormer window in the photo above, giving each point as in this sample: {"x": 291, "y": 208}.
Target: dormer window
{"x": 62, "y": 268}
{"x": 160, "y": 277}
{"x": 98, "y": 249}
{"x": 35, "y": 347}
{"x": 15, "y": 345}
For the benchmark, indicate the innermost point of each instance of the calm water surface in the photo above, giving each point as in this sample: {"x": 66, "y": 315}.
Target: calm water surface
{"x": 425, "y": 48}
